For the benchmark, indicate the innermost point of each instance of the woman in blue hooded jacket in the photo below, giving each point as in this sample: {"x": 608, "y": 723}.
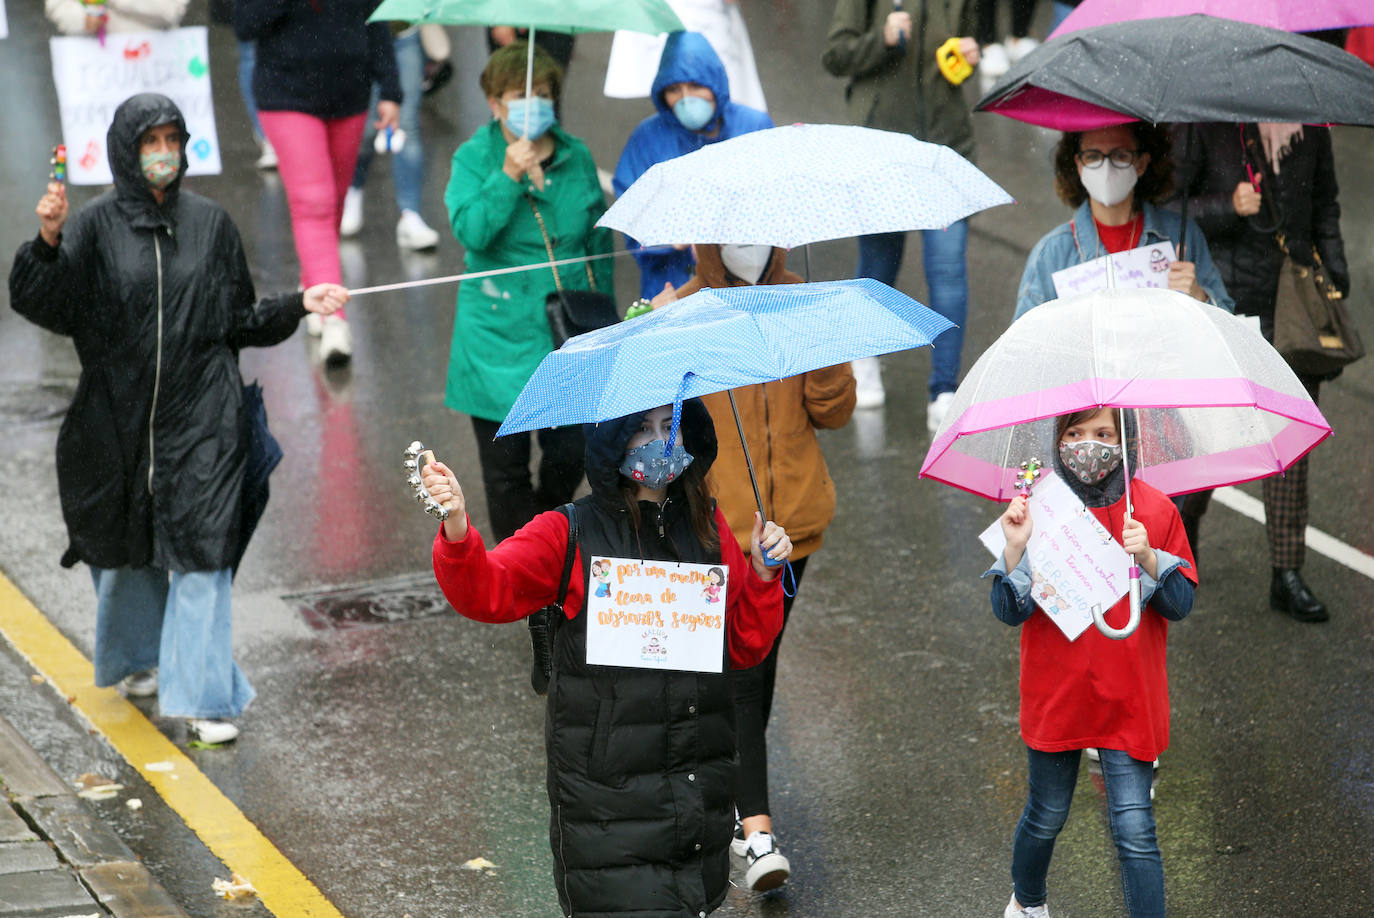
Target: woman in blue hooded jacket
{"x": 692, "y": 95}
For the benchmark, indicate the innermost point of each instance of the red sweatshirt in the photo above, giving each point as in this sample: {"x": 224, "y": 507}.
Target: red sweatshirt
{"x": 1096, "y": 691}
{"x": 521, "y": 575}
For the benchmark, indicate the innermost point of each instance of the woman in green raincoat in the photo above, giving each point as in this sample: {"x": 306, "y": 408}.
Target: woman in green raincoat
{"x": 522, "y": 191}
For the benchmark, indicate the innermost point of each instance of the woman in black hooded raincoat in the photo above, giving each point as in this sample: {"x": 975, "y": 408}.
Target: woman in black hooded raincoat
{"x": 151, "y": 284}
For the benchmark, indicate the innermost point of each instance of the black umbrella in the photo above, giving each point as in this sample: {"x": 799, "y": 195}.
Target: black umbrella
{"x": 1183, "y": 69}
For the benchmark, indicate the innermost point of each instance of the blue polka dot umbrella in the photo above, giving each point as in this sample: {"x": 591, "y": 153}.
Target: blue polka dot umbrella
{"x": 716, "y": 340}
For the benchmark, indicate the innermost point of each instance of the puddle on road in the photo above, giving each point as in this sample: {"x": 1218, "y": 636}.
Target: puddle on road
{"x": 368, "y": 605}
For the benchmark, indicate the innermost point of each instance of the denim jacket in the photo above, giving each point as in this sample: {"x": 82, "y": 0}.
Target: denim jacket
{"x": 1170, "y": 596}
{"x": 1076, "y": 242}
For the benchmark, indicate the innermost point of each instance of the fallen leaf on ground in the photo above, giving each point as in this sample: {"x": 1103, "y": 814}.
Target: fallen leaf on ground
{"x": 37, "y": 679}
{"x": 479, "y": 863}
{"x": 102, "y": 792}
{"x": 237, "y": 887}
{"x": 91, "y": 779}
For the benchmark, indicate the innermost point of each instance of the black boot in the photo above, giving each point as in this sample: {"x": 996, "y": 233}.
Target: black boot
{"x": 1288, "y": 594}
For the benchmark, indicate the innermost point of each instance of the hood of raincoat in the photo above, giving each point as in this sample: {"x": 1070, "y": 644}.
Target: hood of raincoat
{"x": 135, "y": 115}
{"x": 606, "y": 449}
{"x": 689, "y": 58}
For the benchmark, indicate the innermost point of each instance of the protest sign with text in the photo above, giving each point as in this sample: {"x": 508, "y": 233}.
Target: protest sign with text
{"x": 94, "y": 78}
{"x": 1147, "y": 266}
{"x": 1075, "y": 563}
{"x": 656, "y": 614}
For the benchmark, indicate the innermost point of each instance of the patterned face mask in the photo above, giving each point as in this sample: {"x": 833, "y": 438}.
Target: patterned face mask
{"x": 160, "y": 168}
{"x": 646, "y": 464}
{"x": 1091, "y": 460}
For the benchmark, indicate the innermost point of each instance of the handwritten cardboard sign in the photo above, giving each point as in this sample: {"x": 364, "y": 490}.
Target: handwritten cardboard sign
{"x": 656, "y": 614}
{"x": 92, "y": 80}
{"x": 1147, "y": 266}
{"x": 1075, "y": 563}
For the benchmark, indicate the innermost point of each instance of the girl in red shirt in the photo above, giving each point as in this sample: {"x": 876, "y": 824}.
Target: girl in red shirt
{"x": 1095, "y": 692}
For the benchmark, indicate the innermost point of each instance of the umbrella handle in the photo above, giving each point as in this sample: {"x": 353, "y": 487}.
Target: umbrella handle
{"x": 1117, "y": 634}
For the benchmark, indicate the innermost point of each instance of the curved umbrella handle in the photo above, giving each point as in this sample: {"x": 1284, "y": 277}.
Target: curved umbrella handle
{"x": 1117, "y": 634}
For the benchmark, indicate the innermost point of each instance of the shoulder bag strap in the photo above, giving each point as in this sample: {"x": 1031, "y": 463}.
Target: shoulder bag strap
{"x": 548, "y": 247}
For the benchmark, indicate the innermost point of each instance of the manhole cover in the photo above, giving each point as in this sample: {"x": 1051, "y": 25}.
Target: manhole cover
{"x": 368, "y": 605}
{"x": 34, "y": 403}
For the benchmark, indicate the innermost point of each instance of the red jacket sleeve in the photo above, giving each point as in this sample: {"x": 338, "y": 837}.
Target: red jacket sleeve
{"x": 753, "y": 605}
{"x": 512, "y": 580}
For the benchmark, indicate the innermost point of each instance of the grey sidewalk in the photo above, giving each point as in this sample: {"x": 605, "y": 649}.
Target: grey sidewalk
{"x": 57, "y": 859}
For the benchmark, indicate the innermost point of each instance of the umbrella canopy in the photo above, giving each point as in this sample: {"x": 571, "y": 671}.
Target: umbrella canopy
{"x": 788, "y": 186}
{"x": 1306, "y": 16}
{"x": 1184, "y": 69}
{"x": 718, "y": 339}
{"x": 651, "y": 16}
{"x": 1214, "y": 403}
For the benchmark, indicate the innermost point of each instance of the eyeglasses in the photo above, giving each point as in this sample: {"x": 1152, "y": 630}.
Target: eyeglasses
{"x": 1092, "y": 159}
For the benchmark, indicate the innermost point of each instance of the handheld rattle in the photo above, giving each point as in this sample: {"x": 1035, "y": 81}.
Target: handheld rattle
{"x": 59, "y": 164}
{"x": 96, "y": 9}
{"x": 1030, "y": 470}
{"x": 416, "y": 458}
{"x": 952, "y": 62}
{"x": 389, "y": 141}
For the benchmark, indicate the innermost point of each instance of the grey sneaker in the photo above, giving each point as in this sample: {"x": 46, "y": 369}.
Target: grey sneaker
{"x": 140, "y": 685}
{"x": 767, "y": 868}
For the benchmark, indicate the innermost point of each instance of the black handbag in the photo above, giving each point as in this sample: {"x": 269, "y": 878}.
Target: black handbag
{"x": 1313, "y": 330}
{"x": 544, "y": 623}
{"x": 573, "y": 312}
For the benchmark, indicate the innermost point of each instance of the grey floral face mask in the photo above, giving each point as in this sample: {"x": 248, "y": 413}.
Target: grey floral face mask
{"x": 646, "y": 464}
{"x": 1090, "y": 460}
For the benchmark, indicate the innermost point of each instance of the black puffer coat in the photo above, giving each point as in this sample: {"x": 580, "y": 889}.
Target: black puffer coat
{"x": 641, "y": 762}
{"x": 1212, "y": 162}
{"x": 158, "y": 300}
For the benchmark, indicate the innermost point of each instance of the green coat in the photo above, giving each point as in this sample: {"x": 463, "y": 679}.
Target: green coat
{"x": 894, "y": 90}
{"x": 500, "y": 332}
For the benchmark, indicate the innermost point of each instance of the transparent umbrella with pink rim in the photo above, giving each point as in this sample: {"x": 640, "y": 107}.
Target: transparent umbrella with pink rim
{"x": 1289, "y": 15}
{"x": 1208, "y": 401}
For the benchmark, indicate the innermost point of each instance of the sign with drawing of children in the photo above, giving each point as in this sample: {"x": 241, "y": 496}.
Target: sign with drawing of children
{"x": 93, "y": 78}
{"x": 656, "y": 614}
{"x": 1075, "y": 563}
{"x": 1145, "y": 266}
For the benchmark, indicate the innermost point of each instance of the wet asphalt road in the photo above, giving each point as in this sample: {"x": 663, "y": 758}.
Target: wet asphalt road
{"x": 379, "y": 758}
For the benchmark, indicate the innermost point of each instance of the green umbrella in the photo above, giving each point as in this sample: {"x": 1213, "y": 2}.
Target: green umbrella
{"x": 651, "y": 16}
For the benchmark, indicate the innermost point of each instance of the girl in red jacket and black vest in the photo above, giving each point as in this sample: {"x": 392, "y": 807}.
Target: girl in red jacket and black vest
{"x": 640, "y": 758}
{"x": 1095, "y": 692}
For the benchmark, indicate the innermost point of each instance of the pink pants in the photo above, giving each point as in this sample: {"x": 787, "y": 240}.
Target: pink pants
{"x": 315, "y": 158}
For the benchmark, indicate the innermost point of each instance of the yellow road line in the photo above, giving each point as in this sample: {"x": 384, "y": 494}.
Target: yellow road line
{"x": 211, "y": 815}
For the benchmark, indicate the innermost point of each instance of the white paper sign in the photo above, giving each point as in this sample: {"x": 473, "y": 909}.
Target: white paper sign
{"x": 4, "y": 23}
{"x": 1075, "y": 563}
{"x": 656, "y": 614}
{"x": 1147, "y": 266}
{"x": 92, "y": 80}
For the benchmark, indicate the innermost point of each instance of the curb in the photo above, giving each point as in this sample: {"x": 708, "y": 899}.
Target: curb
{"x": 57, "y": 859}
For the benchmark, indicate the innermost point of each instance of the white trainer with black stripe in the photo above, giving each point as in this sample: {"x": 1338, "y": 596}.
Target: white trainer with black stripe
{"x": 1014, "y": 910}
{"x": 767, "y": 868}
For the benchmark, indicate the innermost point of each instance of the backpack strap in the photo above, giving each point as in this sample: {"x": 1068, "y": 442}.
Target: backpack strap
{"x": 570, "y": 512}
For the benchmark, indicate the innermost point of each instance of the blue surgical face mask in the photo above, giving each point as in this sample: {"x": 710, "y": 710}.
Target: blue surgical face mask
{"x": 694, "y": 112}
{"x": 646, "y": 464}
{"x": 541, "y": 116}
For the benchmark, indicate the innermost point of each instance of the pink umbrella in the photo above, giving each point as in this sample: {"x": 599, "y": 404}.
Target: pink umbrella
{"x": 1211, "y": 403}
{"x": 1289, "y": 15}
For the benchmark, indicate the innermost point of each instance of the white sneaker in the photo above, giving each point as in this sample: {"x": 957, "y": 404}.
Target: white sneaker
{"x": 767, "y": 869}
{"x": 267, "y": 159}
{"x": 412, "y": 232}
{"x": 1014, "y": 910}
{"x": 868, "y": 383}
{"x": 1092, "y": 754}
{"x": 938, "y": 410}
{"x": 1018, "y": 48}
{"x": 314, "y": 324}
{"x": 336, "y": 341}
{"x": 352, "y": 219}
{"x": 212, "y": 730}
{"x": 140, "y": 685}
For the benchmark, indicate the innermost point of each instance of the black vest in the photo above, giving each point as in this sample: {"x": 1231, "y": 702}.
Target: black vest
{"x": 640, "y": 762}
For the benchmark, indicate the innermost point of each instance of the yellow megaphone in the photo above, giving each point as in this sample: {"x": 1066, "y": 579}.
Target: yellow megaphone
{"x": 952, "y": 62}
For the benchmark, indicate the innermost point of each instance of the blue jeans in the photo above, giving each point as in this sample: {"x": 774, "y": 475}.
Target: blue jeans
{"x": 181, "y": 624}
{"x": 945, "y": 251}
{"x": 407, "y": 167}
{"x": 1052, "y": 776}
{"x": 1061, "y": 12}
{"x": 248, "y": 58}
